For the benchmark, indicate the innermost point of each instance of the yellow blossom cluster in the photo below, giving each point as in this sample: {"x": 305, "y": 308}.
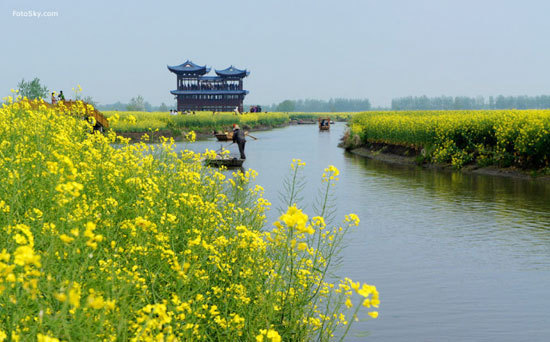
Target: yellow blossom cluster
{"x": 268, "y": 335}
{"x": 331, "y": 174}
{"x": 296, "y": 163}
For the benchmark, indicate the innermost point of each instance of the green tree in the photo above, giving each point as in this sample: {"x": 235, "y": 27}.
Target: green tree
{"x": 137, "y": 104}
{"x": 286, "y": 106}
{"x": 163, "y": 107}
{"x": 33, "y": 89}
{"x": 90, "y": 100}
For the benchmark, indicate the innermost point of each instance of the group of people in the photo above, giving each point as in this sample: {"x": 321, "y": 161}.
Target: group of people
{"x": 255, "y": 109}
{"x": 60, "y": 97}
{"x": 209, "y": 86}
{"x": 175, "y": 112}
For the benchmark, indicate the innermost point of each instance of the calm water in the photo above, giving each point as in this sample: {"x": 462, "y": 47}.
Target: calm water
{"x": 455, "y": 257}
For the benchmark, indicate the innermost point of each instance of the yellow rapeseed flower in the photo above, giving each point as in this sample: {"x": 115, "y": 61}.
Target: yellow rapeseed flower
{"x": 45, "y": 338}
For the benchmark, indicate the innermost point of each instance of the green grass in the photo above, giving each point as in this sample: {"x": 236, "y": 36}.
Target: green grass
{"x": 206, "y": 121}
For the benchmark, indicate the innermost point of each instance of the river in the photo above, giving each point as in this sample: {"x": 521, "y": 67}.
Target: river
{"x": 455, "y": 256}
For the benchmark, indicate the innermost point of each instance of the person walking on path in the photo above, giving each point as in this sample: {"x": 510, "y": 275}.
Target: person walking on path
{"x": 54, "y": 100}
{"x": 61, "y": 97}
{"x": 238, "y": 137}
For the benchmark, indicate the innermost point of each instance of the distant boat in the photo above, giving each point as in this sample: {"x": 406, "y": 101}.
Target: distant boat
{"x": 226, "y": 136}
{"x": 306, "y": 122}
{"x": 324, "y": 124}
{"x": 229, "y": 162}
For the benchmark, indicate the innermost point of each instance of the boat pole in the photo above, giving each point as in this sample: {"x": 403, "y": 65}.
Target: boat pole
{"x": 221, "y": 148}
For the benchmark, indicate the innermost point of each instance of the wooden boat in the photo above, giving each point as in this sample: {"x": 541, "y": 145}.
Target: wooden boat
{"x": 228, "y": 162}
{"x": 226, "y": 136}
{"x": 324, "y": 124}
{"x": 306, "y": 122}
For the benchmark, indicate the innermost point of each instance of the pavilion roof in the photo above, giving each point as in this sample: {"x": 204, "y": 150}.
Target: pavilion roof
{"x": 189, "y": 68}
{"x": 232, "y": 72}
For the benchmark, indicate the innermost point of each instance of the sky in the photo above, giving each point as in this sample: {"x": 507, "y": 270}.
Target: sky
{"x": 296, "y": 49}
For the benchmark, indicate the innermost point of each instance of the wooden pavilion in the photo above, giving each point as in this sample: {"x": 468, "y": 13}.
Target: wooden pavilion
{"x": 198, "y": 92}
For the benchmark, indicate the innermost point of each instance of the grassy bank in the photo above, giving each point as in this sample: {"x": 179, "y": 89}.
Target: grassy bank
{"x": 125, "y": 122}
{"x": 200, "y": 122}
{"x": 314, "y": 116}
{"x": 137, "y": 243}
{"x": 504, "y": 138}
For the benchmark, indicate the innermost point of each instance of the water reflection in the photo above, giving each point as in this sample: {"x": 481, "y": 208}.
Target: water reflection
{"x": 476, "y": 209}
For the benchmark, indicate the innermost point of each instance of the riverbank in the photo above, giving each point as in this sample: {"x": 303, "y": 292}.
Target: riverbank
{"x": 409, "y": 157}
{"x": 134, "y": 125}
{"x": 515, "y": 141}
{"x": 178, "y": 135}
{"x": 138, "y": 122}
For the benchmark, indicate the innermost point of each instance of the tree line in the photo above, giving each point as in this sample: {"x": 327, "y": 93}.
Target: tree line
{"x": 312, "y": 105}
{"x": 136, "y": 104}
{"x": 464, "y": 102}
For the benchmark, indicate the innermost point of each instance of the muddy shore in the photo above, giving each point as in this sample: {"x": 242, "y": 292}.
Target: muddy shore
{"x": 408, "y": 157}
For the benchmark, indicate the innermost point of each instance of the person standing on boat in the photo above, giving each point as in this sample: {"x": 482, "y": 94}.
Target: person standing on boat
{"x": 238, "y": 137}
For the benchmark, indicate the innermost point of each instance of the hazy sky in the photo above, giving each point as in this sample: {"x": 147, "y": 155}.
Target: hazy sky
{"x": 294, "y": 49}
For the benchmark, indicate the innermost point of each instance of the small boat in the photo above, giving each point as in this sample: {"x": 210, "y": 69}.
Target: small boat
{"x": 227, "y": 162}
{"x": 324, "y": 124}
{"x": 306, "y": 122}
{"x": 226, "y": 136}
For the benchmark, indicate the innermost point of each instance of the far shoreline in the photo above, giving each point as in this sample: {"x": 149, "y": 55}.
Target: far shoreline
{"x": 204, "y": 132}
{"x": 180, "y": 135}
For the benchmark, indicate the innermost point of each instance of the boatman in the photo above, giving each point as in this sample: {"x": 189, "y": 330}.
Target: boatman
{"x": 238, "y": 137}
